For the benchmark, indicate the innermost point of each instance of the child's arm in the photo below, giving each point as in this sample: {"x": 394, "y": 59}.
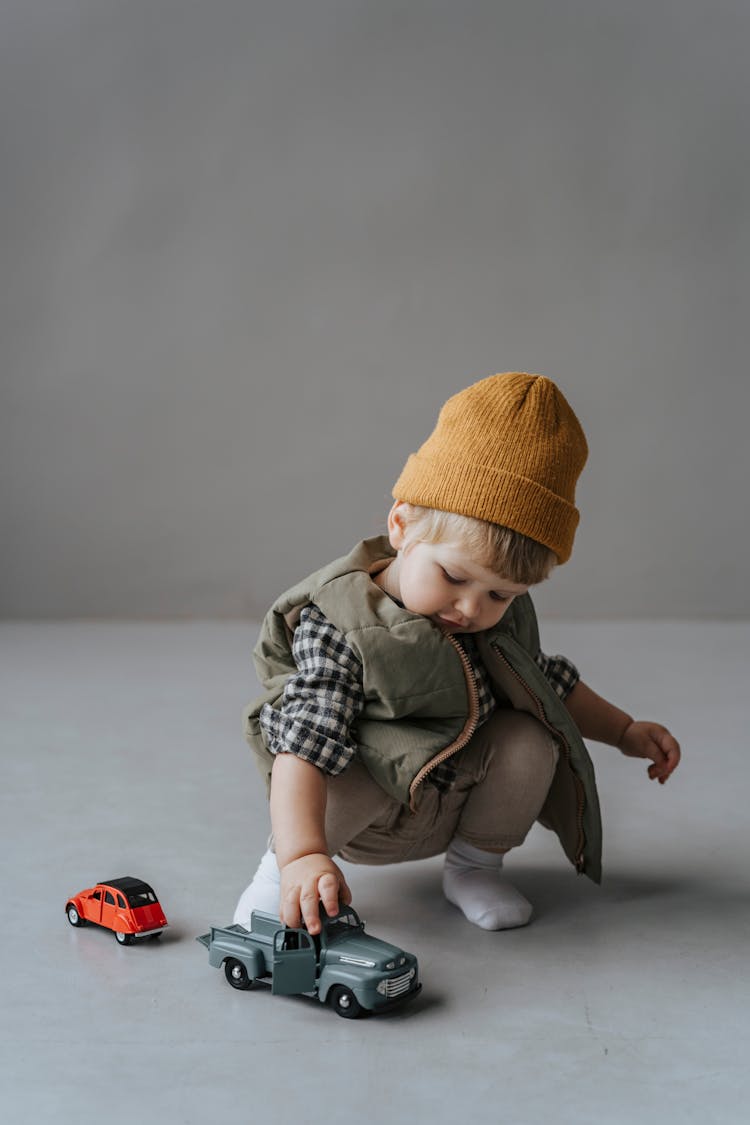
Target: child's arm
{"x": 308, "y": 874}
{"x": 601, "y": 721}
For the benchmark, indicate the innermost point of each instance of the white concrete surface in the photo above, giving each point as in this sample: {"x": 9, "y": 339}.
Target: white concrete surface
{"x": 122, "y": 754}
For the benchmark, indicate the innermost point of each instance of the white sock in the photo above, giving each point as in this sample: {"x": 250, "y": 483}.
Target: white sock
{"x": 263, "y": 892}
{"x": 473, "y": 881}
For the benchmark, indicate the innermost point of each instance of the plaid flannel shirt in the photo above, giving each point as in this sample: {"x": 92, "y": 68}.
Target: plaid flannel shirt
{"x": 322, "y": 700}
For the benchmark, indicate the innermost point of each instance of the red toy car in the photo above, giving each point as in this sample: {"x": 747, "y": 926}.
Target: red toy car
{"x": 128, "y": 906}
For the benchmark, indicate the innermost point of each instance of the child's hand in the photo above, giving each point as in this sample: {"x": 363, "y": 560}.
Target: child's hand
{"x": 305, "y": 883}
{"x": 651, "y": 740}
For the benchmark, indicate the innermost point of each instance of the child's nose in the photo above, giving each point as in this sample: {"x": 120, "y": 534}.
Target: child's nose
{"x": 468, "y": 605}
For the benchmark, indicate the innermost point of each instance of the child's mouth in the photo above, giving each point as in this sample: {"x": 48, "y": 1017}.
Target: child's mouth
{"x": 445, "y": 623}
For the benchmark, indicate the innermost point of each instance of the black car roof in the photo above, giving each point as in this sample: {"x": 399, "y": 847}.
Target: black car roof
{"x": 127, "y": 883}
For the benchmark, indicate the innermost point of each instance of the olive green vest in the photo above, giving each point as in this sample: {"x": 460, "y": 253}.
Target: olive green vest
{"x": 419, "y": 693}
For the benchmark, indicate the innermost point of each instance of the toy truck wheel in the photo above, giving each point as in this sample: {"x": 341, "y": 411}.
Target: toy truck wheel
{"x": 124, "y": 939}
{"x": 237, "y": 974}
{"x": 345, "y": 1003}
{"x": 74, "y": 917}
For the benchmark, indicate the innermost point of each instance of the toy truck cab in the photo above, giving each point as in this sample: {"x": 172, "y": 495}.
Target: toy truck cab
{"x": 343, "y": 965}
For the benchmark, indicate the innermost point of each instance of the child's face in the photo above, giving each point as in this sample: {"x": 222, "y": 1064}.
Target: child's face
{"x": 441, "y": 581}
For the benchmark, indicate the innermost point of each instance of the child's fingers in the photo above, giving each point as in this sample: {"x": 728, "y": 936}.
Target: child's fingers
{"x": 666, "y": 759}
{"x": 289, "y": 908}
{"x": 673, "y": 759}
{"x": 328, "y": 887}
{"x": 301, "y": 904}
{"x": 666, "y": 742}
{"x": 310, "y": 904}
{"x": 670, "y": 749}
{"x": 302, "y": 897}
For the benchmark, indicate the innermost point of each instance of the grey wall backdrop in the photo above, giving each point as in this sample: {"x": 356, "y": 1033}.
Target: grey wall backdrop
{"x": 249, "y": 248}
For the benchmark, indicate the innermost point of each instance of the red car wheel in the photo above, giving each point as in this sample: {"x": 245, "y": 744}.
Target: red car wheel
{"x": 74, "y": 917}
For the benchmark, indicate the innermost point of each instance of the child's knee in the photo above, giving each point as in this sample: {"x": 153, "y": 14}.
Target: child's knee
{"x": 515, "y": 744}
{"x": 528, "y": 740}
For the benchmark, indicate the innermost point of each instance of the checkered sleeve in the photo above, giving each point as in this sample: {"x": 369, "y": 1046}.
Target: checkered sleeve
{"x": 321, "y": 701}
{"x": 561, "y": 674}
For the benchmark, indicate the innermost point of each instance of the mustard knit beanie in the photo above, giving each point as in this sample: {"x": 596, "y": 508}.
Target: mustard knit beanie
{"x": 509, "y": 450}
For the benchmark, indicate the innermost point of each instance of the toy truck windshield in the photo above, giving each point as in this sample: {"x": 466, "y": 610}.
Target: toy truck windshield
{"x": 344, "y": 923}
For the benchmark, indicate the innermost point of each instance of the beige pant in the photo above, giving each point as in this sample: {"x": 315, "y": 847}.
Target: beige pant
{"x": 502, "y": 778}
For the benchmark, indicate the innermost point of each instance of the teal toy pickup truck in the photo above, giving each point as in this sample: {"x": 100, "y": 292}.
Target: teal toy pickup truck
{"x": 343, "y": 965}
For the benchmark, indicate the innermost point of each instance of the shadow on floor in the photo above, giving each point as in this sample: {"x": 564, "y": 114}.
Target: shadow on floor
{"x": 391, "y": 894}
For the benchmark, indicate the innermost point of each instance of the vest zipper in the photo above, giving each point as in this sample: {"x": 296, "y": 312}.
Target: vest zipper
{"x": 469, "y": 727}
{"x": 580, "y": 793}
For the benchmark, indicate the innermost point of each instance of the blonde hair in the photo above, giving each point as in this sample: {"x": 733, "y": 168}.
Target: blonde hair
{"x": 508, "y": 553}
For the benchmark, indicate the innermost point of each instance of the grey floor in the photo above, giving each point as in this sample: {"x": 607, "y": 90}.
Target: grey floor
{"x": 121, "y": 754}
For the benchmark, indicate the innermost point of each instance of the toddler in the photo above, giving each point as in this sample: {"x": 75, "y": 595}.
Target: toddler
{"x": 409, "y": 709}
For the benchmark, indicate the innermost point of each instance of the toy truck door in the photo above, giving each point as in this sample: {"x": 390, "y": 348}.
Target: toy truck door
{"x": 293, "y": 962}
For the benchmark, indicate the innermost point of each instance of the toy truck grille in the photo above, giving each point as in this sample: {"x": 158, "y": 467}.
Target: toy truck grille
{"x": 396, "y": 986}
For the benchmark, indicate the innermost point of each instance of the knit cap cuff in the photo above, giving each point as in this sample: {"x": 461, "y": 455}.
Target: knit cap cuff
{"x": 491, "y": 494}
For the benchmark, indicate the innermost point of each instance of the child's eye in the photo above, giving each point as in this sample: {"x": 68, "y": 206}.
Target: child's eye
{"x": 497, "y": 597}
{"x": 451, "y": 578}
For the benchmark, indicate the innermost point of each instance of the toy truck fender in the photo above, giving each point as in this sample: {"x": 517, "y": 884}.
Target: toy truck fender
{"x": 224, "y": 942}
{"x": 361, "y": 972}
{"x": 333, "y": 975}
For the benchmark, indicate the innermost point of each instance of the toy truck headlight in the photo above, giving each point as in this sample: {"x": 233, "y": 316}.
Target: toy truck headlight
{"x": 391, "y": 965}
{"x": 382, "y": 987}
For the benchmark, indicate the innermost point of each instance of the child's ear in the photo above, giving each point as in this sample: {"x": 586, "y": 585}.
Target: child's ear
{"x": 397, "y": 524}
